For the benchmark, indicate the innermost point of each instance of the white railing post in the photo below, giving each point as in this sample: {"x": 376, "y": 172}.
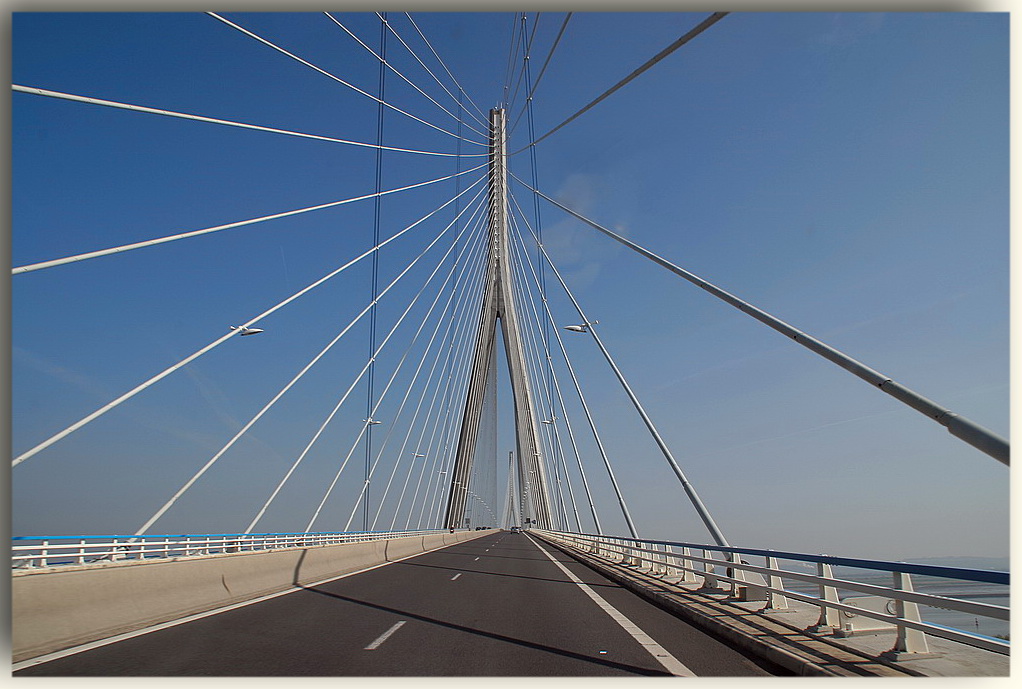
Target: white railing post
{"x": 81, "y": 552}
{"x": 43, "y": 552}
{"x": 909, "y": 643}
{"x": 829, "y": 621}
{"x": 709, "y": 581}
{"x": 776, "y": 602}
{"x": 687, "y": 575}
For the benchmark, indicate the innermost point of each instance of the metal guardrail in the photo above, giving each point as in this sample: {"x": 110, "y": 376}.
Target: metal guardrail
{"x": 719, "y": 564}
{"x": 32, "y": 552}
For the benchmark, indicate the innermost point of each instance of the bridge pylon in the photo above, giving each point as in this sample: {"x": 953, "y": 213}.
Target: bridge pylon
{"x": 499, "y": 305}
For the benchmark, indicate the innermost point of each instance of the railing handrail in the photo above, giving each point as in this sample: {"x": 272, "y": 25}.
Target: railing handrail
{"x": 987, "y": 576}
{"x": 31, "y": 552}
{"x": 734, "y": 571}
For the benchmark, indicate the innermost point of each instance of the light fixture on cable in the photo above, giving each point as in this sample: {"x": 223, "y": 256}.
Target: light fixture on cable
{"x": 583, "y": 328}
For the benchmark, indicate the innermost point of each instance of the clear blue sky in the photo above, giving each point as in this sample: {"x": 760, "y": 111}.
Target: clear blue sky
{"x": 846, "y": 172}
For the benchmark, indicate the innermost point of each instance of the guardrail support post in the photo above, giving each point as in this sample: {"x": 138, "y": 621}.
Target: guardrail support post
{"x": 910, "y": 644}
{"x": 828, "y": 622}
{"x": 776, "y": 602}
{"x": 709, "y": 581}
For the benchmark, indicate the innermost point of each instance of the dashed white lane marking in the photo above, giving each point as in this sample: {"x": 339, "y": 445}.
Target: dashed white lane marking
{"x": 476, "y": 559}
{"x": 456, "y": 576}
{"x": 672, "y": 664}
{"x": 384, "y": 636}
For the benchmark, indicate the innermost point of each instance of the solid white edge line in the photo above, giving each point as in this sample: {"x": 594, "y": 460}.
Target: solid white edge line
{"x": 383, "y": 637}
{"x": 56, "y": 655}
{"x": 661, "y": 654}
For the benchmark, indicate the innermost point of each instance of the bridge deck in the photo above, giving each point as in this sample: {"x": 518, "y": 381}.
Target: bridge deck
{"x": 497, "y": 605}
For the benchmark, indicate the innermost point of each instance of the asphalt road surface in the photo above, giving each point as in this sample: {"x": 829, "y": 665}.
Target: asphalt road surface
{"x": 496, "y": 606}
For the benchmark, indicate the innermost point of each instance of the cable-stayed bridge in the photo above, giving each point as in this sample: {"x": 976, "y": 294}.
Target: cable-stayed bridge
{"x": 401, "y": 457}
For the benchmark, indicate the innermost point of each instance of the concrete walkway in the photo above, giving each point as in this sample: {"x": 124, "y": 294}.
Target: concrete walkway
{"x": 781, "y": 637}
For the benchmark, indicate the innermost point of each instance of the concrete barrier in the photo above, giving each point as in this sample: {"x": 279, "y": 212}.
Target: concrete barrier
{"x": 54, "y": 609}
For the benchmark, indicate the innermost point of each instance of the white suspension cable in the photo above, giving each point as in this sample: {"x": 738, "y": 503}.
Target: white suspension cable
{"x": 457, "y": 317}
{"x": 959, "y": 426}
{"x": 542, "y": 71}
{"x": 159, "y": 513}
{"x": 366, "y": 425}
{"x": 426, "y": 356}
{"x": 703, "y": 26}
{"x": 338, "y": 79}
{"x": 700, "y": 508}
{"x": 333, "y": 412}
{"x": 252, "y": 321}
{"x": 585, "y": 406}
{"x": 554, "y": 443}
{"x": 398, "y": 73}
{"x": 461, "y": 356}
{"x": 229, "y": 123}
{"x": 442, "y": 64}
{"x": 372, "y": 471}
{"x": 228, "y": 226}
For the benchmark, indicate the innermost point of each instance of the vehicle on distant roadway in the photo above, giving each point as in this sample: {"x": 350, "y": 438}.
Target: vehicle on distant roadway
{"x": 516, "y": 529}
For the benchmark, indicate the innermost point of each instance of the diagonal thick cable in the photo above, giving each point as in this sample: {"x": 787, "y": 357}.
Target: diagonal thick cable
{"x": 216, "y": 343}
{"x": 229, "y": 123}
{"x": 393, "y": 69}
{"x": 371, "y": 359}
{"x": 959, "y": 426}
{"x": 442, "y": 64}
{"x": 397, "y": 369}
{"x": 336, "y": 78}
{"x": 703, "y": 26}
{"x": 704, "y": 514}
{"x": 426, "y": 356}
{"x": 228, "y": 226}
{"x": 344, "y": 397}
{"x": 298, "y": 376}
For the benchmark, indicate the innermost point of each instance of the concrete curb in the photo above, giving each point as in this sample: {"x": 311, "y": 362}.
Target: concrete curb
{"x": 62, "y": 607}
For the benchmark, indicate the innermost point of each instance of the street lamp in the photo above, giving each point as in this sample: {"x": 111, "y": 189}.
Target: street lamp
{"x": 583, "y": 328}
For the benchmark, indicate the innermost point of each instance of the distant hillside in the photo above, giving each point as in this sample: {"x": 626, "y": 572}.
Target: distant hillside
{"x": 1002, "y": 564}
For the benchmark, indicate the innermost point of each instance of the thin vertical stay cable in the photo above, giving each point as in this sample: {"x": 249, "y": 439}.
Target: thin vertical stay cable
{"x": 159, "y": 513}
{"x": 367, "y": 424}
{"x": 312, "y": 442}
{"x": 332, "y": 76}
{"x": 703, "y": 26}
{"x": 455, "y": 329}
{"x": 452, "y": 301}
{"x": 442, "y": 64}
{"x": 542, "y": 71}
{"x": 396, "y": 71}
{"x": 544, "y": 364}
{"x": 376, "y": 262}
